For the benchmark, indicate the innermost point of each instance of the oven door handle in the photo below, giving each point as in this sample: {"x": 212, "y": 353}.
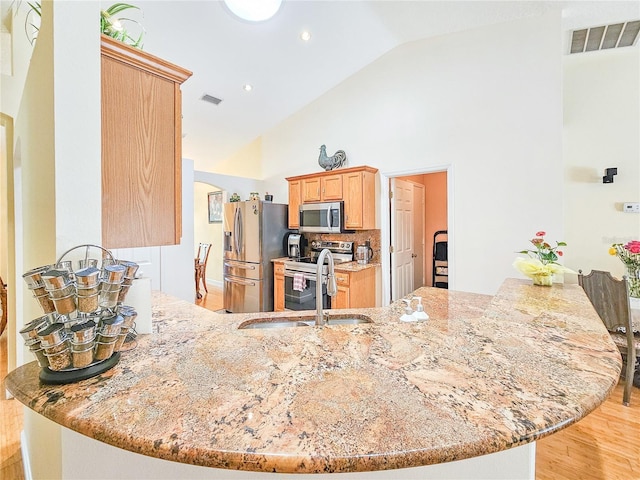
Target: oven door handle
{"x": 308, "y": 277}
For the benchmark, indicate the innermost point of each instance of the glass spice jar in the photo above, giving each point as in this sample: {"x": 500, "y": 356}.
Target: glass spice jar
{"x": 65, "y": 305}
{"x": 82, "y": 358}
{"x": 104, "y": 350}
{"x": 83, "y": 332}
{"x": 53, "y": 335}
{"x": 87, "y": 304}
{"x": 45, "y": 303}
{"x": 38, "y": 352}
{"x": 122, "y": 336}
{"x": 59, "y": 360}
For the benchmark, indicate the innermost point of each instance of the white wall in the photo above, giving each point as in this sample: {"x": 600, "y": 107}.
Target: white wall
{"x": 601, "y": 130}
{"x": 205, "y": 232}
{"x": 487, "y": 102}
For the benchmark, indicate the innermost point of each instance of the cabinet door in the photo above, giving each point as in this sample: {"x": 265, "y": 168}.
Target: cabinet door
{"x": 278, "y": 287}
{"x": 353, "y": 200}
{"x": 294, "y": 203}
{"x": 331, "y": 187}
{"x": 311, "y": 190}
{"x": 141, "y": 148}
{"x": 359, "y": 200}
{"x": 341, "y": 299}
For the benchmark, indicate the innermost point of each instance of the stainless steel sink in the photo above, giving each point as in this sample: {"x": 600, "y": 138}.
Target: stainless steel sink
{"x": 269, "y": 323}
{"x": 348, "y": 320}
{"x": 286, "y": 322}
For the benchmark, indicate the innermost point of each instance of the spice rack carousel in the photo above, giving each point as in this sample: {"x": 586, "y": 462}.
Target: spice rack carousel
{"x": 85, "y": 323}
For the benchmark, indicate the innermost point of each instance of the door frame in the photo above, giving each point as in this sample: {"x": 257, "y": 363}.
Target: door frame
{"x": 385, "y": 222}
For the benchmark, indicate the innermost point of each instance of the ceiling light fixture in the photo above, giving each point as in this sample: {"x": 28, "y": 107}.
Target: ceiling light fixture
{"x": 305, "y": 36}
{"x": 254, "y": 10}
{"x": 247, "y": 87}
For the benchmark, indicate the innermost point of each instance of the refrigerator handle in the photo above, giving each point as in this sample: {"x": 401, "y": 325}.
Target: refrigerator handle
{"x": 236, "y": 222}
{"x": 239, "y": 281}
{"x": 240, "y": 237}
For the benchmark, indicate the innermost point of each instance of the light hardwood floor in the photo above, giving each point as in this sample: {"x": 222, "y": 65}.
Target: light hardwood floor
{"x": 603, "y": 446}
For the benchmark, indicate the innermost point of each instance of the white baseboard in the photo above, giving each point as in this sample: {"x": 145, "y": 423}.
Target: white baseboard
{"x": 215, "y": 283}
{"x": 26, "y": 461}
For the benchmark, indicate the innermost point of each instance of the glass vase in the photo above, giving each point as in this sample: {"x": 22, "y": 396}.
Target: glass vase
{"x": 633, "y": 279}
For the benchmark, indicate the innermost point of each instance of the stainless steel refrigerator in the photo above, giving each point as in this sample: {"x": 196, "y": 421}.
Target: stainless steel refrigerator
{"x": 253, "y": 235}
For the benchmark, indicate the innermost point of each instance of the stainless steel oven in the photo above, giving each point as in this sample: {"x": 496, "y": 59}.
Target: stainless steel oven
{"x": 305, "y": 268}
{"x": 305, "y": 299}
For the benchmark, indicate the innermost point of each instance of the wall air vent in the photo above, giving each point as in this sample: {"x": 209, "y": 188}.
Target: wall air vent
{"x": 606, "y": 36}
{"x": 211, "y": 99}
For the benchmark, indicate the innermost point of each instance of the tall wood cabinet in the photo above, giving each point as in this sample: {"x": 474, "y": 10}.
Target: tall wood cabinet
{"x": 141, "y": 147}
{"x": 356, "y": 186}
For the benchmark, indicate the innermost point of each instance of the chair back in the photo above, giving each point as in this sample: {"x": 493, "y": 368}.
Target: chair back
{"x": 203, "y": 253}
{"x": 609, "y": 297}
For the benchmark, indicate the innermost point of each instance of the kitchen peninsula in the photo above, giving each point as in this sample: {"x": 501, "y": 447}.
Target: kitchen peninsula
{"x": 482, "y": 376}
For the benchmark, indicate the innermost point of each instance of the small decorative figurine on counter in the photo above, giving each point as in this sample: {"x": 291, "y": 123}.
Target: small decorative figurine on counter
{"x": 234, "y": 197}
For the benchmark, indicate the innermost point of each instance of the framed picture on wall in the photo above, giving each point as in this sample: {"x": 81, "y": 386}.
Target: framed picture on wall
{"x": 215, "y": 207}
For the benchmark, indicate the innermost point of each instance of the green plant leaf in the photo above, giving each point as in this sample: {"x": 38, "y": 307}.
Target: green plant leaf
{"x": 119, "y": 7}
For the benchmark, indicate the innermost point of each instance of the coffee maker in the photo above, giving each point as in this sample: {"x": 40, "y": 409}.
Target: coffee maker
{"x": 364, "y": 252}
{"x": 295, "y": 244}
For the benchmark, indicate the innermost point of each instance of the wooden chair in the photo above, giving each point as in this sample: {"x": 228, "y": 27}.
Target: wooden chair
{"x": 610, "y": 299}
{"x": 201, "y": 267}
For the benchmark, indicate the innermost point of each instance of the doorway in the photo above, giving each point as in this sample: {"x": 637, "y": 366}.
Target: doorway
{"x": 419, "y": 206}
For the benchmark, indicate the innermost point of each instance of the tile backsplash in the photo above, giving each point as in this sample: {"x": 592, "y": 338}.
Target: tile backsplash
{"x": 358, "y": 237}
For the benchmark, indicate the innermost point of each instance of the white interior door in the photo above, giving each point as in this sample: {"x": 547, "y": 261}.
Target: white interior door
{"x": 418, "y": 235}
{"x": 401, "y": 238}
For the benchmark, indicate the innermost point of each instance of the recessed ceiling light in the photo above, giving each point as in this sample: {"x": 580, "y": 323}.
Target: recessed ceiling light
{"x": 305, "y": 36}
{"x": 247, "y": 87}
{"x": 254, "y": 10}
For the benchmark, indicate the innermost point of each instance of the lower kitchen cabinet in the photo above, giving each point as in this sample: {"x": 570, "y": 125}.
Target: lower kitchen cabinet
{"x": 278, "y": 287}
{"x": 355, "y": 289}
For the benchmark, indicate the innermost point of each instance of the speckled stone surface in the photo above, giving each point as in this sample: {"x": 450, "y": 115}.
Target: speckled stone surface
{"x": 482, "y": 375}
{"x": 341, "y": 267}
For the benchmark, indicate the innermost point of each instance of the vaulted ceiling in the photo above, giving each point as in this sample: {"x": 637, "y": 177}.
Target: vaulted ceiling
{"x": 286, "y": 73}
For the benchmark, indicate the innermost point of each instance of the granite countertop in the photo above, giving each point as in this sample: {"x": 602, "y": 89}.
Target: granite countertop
{"x": 484, "y": 374}
{"x": 341, "y": 267}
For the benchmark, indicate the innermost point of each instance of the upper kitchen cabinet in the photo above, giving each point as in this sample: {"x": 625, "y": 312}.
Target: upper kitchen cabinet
{"x": 141, "y": 147}
{"x": 359, "y": 199}
{"x": 295, "y": 199}
{"x": 356, "y": 186}
{"x": 323, "y": 188}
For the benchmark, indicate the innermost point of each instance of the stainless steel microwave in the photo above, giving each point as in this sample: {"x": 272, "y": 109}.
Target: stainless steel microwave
{"x": 324, "y": 217}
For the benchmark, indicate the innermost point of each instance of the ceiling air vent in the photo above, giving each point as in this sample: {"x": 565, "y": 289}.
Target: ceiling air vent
{"x": 211, "y": 99}
{"x": 606, "y": 36}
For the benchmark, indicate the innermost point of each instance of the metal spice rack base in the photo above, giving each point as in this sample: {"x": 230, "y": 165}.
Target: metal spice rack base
{"x": 60, "y": 377}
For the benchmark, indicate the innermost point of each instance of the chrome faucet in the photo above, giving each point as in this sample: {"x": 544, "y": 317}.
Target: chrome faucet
{"x": 332, "y": 288}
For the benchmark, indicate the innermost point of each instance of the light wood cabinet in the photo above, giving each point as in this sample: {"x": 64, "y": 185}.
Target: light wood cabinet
{"x": 141, "y": 147}
{"x": 355, "y": 186}
{"x": 295, "y": 198}
{"x": 278, "y": 287}
{"x": 341, "y": 299}
{"x": 323, "y": 188}
{"x": 360, "y": 191}
{"x": 355, "y": 289}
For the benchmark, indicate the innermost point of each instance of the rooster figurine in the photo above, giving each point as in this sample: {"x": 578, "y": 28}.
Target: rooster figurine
{"x": 336, "y": 160}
